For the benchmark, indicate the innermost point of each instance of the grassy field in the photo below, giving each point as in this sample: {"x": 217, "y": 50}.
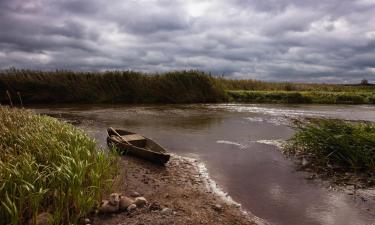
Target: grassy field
{"x": 49, "y": 166}
{"x": 317, "y": 97}
{"x": 31, "y": 87}
{"x": 336, "y": 145}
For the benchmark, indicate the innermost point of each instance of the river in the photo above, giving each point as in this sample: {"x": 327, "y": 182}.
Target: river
{"x": 239, "y": 144}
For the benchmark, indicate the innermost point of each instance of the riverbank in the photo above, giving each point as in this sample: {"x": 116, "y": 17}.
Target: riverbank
{"x": 178, "y": 193}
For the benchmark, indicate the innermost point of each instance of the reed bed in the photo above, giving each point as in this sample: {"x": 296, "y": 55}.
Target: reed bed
{"x": 339, "y": 145}
{"x": 109, "y": 87}
{"x": 49, "y": 166}
{"x": 43, "y": 87}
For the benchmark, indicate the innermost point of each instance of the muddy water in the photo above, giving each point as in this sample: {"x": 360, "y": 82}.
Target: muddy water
{"x": 239, "y": 145}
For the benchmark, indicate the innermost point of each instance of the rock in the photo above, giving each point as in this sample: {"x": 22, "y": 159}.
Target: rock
{"x": 217, "y": 207}
{"x": 107, "y": 207}
{"x": 166, "y": 211}
{"x": 140, "y": 201}
{"x": 87, "y": 221}
{"x": 135, "y": 194}
{"x": 114, "y": 199}
{"x": 304, "y": 162}
{"x": 125, "y": 202}
{"x": 44, "y": 218}
{"x": 132, "y": 207}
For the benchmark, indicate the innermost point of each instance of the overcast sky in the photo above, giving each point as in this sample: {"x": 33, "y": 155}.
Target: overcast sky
{"x": 285, "y": 40}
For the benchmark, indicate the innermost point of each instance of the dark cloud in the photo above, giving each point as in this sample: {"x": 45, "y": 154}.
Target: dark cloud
{"x": 310, "y": 40}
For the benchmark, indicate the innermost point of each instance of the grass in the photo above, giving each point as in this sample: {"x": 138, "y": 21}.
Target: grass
{"x": 256, "y": 85}
{"x": 49, "y": 166}
{"x": 43, "y": 87}
{"x": 331, "y": 143}
{"x": 316, "y": 97}
{"x": 109, "y": 87}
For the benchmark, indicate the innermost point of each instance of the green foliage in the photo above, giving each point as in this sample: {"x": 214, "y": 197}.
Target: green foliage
{"x": 321, "y": 97}
{"x": 348, "y": 145}
{"x": 48, "y": 166}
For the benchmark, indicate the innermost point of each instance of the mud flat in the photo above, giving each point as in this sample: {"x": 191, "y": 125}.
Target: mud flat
{"x": 180, "y": 193}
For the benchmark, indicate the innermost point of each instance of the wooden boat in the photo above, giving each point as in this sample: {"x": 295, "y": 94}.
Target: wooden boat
{"x": 134, "y": 144}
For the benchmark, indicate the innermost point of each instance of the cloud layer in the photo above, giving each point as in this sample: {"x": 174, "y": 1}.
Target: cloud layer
{"x": 310, "y": 40}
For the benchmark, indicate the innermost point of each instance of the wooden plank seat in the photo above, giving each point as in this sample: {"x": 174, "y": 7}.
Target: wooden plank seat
{"x": 134, "y": 139}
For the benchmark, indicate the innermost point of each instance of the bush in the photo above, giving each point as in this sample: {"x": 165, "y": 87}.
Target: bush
{"x": 48, "y": 166}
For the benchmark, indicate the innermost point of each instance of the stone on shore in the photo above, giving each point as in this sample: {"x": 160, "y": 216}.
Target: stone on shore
{"x": 107, "y": 207}
{"x": 132, "y": 207}
{"x": 140, "y": 201}
{"x": 114, "y": 199}
{"x": 134, "y": 194}
{"x": 166, "y": 211}
{"x": 217, "y": 207}
{"x": 125, "y": 202}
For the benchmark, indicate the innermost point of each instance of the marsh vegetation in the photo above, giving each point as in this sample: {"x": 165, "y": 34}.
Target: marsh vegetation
{"x": 336, "y": 148}
{"x": 30, "y": 86}
{"x": 48, "y": 166}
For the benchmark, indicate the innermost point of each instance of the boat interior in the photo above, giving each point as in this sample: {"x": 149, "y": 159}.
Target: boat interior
{"x": 137, "y": 140}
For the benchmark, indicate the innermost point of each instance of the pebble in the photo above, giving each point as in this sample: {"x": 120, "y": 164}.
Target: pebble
{"x": 131, "y": 207}
{"x": 134, "y": 194}
{"x": 87, "y": 221}
{"x": 217, "y": 207}
{"x": 166, "y": 211}
{"x": 114, "y": 199}
{"x": 107, "y": 207}
{"x": 125, "y": 202}
{"x": 140, "y": 201}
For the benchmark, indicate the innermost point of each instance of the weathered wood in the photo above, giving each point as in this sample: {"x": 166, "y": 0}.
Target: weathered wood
{"x": 137, "y": 145}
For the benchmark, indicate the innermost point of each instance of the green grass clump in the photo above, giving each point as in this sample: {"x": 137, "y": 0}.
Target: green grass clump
{"x": 347, "y": 145}
{"x": 48, "y": 166}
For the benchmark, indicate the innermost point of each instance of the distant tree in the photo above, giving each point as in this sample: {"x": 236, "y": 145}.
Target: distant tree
{"x": 364, "y": 82}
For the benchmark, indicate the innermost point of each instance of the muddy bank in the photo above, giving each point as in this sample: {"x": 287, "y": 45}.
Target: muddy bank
{"x": 176, "y": 194}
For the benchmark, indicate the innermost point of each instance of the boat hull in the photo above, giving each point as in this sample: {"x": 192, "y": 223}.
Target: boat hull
{"x": 149, "y": 155}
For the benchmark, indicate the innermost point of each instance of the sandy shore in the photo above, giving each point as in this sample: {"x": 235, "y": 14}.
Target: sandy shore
{"x": 182, "y": 189}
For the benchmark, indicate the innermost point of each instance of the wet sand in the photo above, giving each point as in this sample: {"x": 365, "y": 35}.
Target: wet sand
{"x": 179, "y": 186}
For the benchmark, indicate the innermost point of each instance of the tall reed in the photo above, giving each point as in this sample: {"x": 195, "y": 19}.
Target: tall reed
{"x": 110, "y": 87}
{"x": 347, "y": 145}
{"x": 172, "y": 87}
{"x": 49, "y": 166}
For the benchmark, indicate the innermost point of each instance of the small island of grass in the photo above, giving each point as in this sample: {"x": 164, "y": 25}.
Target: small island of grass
{"x": 340, "y": 150}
